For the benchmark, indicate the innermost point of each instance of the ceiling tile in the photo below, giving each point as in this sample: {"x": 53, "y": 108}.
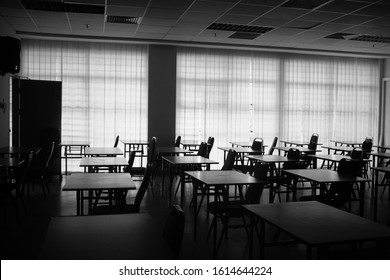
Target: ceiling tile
{"x": 215, "y": 33}
{"x": 238, "y": 19}
{"x": 211, "y": 6}
{"x": 273, "y": 22}
{"x": 13, "y": 12}
{"x": 353, "y": 19}
{"x": 200, "y": 16}
{"x": 158, "y": 21}
{"x": 19, "y": 20}
{"x": 333, "y": 27}
{"x": 184, "y": 31}
{"x": 253, "y": 10}
{"x": 271, "y": 3}
{"x": 133, "y": 3}
{"x": 285, "y": 13}
{"x": 374, "y": 10}
{"x": 301, "y": 24}
{"x": 120, "y": 27}
{"x": 95, "y": 2}
{"x": 153, "y": 29}
{"x": 26, "y": 28}
{"x": 164, "y": 13}
{"x": 321, "y": 16}
{"x": 170, "y": 4}
{"x": 343, "y": 6}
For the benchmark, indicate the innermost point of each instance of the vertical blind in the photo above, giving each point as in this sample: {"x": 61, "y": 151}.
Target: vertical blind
{"x": 104, "y": 87}
{"x": 236, "y": 95}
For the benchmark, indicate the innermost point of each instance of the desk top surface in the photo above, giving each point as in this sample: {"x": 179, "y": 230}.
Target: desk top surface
{"x": 177, "y": 160}
{"x": 103, "y": 151}
{"x": 172, "y": 150}
{"x": 315, "y": 223}
{"x": 324, "y": 175}
{"x": 223, "y": 177}
{"x": 240, "y": 149}
{"x": 98, "y": 181}
{"x": 269, "y": 158}
{"x": 103, "y": 161}
{"x": 105, "y": 237}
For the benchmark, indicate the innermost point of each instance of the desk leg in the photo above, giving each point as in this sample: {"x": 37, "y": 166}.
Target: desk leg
{"x": 375, "y": 182}
{"x": 82, "y": 202}
{"x": 182, "y": 190}
{"x": 195, "y": 198}
{"x": 262, "y": 238}
{"x": 362, "y": 190}
{"x": 78, "y": 203}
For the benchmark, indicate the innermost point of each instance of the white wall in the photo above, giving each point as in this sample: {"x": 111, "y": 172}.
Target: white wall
{"x": 5, "y": 30}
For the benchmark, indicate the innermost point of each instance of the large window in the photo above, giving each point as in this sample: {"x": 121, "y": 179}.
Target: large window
{"x": 104, "y": 87}
{"x": 238, "y": 95}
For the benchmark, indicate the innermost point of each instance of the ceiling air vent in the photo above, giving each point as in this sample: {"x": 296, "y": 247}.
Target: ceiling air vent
{"x": 372, "y": 38}
{"x": 57, "y": 6}
{"x": 120, "y": 19}
{"x": 240, "y": 28}
{"x": 358, "y": 37}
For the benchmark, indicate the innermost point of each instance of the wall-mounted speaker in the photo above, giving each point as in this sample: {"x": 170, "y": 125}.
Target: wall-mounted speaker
{"x": 9, "y": 55}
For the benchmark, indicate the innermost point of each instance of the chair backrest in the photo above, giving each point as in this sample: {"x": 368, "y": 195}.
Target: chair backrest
{"x": 142, "y": 189}
{"x": 273, "y": 145}
{"x": 254, "y": 192}
{"x": 314, "y": 138}
{"x": 210, "y": 145}
{"x": 174, "y": 228}
{"x": 130, "y": 162}
{"x": 49, "y": 155}
{"x": 151, "y": 150}
{"x": 22, "y": 176}
{"x": 293, "y": 153}
{"x": 229, "y": 161}
{"x": 116, "y": 141}
{"x": 178, "y": 141}
{"x": 258, "y": 144}
{"x": 357, "y": 153}
{"x": 352, "y": 167}
{"x": 202, "y": 151}
{"x": 366, "y": 147}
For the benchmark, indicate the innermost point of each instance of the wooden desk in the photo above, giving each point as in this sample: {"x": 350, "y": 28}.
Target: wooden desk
{"x": 181, "y": 163}
{"x": 301, "y": 149}
{"x": 113, "y": 182}
{"x": 333, "y": 158}
{"x": 73, "y": 150}
{"x": 99, "y": 162}
{"x": 375, "y": 184}
{"x": 105, "y": 237}
{"x": 218, "y": 178}
{"x": 380, "y": 157}
{"x": 103, "y": 151}
{"x": 347, "y": 143}
{"x": 316, "y": 224}
{"x": 191, "y": 145}
{"x": 343, "y": 150}
{"x": 326, "y": 176}
{"x": 139, "y": 146}
{"x": 271, "y": 160}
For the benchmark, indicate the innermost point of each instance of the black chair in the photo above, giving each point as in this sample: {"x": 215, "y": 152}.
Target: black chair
{"x": 139, "y": 171}
{"x": 273, "y": 145}
{"x": 226, "y": 209}
{"x": 38, "y": 171}
{"x": 178, "y": 141}
{"x": 339, "y": 194}
{"x": 174, "y": 229}
{"x": 210, "y": 145}
{"x": 283, "y": 180}
{"x": 13, "y": 190}
{"x": 258, "y": 145}
{"x": 312, "y": 146}
{"x": 207, "y": 192}
{"x": 123, "y": 206}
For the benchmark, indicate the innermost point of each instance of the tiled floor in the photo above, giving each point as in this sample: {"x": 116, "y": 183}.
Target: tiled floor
{"x": 24, "y": 241}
